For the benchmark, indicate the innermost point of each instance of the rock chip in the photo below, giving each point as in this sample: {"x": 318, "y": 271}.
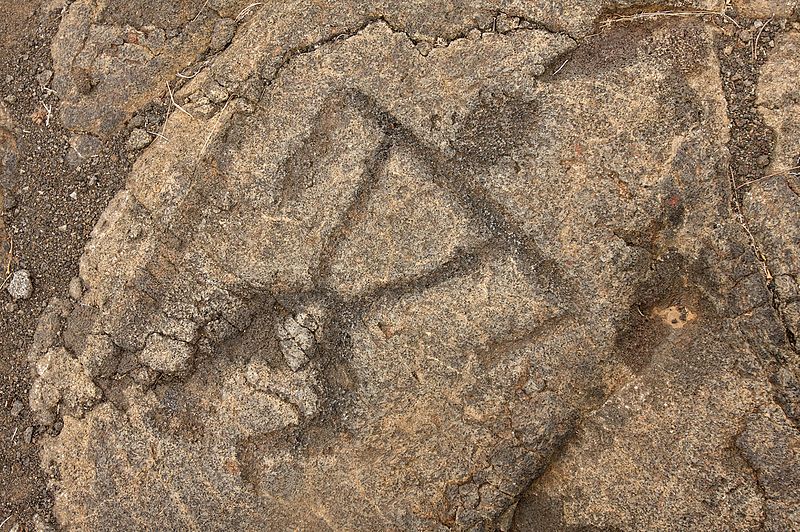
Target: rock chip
{"x": 20, "y": 285}
{"x": 75, "y": 288}
{"x": 138, "y": 139}
{"x": 16, "y": 407}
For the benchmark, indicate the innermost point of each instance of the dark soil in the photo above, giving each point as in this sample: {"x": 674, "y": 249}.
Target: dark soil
{"x": 49, "y": 229}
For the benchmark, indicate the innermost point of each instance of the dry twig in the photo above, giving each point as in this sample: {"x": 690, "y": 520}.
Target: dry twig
{"x": 201, "y": 10}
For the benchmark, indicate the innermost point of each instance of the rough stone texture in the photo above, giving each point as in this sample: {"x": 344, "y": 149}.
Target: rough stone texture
{"x": 20, "y": 285}
{"x": 138, "y": 139}
{"x": 773, "y": 203}
{"x": 111, "y": 57}
{"x": 767, "y": 8}
{"x": 413, "y": 267}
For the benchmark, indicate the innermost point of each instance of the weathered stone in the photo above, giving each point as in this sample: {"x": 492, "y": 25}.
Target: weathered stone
{"x": 440, "y": 269}
{"x": 766, "y": 9}
{"x": 75, "y": 288}
{"x": 138, "y": 139}
{"x": 112, "y": 57}
{"x": 20, "y": 285}
{"x": 772, "y": 202}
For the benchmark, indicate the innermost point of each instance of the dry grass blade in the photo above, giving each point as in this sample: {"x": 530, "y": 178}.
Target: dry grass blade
{"x": 201, "y": 10}
{"x": 192, "y": 76}
{"x": 776, "y": 174}
{"x": 758, "y": 37}
{"x": 243, "y": 13}
{"x": 172, "y": 99}
{"x": 157, "y": 134}
{"x": 217, "y": 120}
{"x": 659, "y": 14}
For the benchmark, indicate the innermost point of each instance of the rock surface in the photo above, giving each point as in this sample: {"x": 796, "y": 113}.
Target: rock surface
{"x": 405, "y": 267}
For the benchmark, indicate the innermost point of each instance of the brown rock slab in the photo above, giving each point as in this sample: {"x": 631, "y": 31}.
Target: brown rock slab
{"x": 407, "y": 267}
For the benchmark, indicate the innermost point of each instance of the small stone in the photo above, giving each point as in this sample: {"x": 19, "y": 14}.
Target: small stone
{"x": 9, "y": 202}
{"x": 76, "y": 288}
{"x": 20, "y": 286}
{"x": 83, "y": 147}
{"x": 28, "y": 435}
{"x": 746, "y": 35}
{"x": 16, "y": 407}
{"x": 10, "y": 98}
{"x": 166, "y": 355}
{"x": 222, "y": 35}
{"x": 205, "y": 110}
{"x": 138, "y": 140}
{"x": 216, "y": 93}
{"x": 763, "y": 161}
{"x": 44, "y": 77}
{"x": 62, "y": 228}
{"x": 74, "y": 194}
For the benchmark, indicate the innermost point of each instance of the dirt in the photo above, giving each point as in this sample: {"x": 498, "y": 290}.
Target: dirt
{"x": 41, "y": 205}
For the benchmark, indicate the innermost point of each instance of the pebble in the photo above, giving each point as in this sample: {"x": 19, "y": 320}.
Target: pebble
{"x": 76, "y": 288}
{"x": 9, "y": 202}
{"x": 504, "y": 23}
{"x": 474, "y": 34}
{"x": 746, "y": 35}
{"x": 44, "y": 77}
{"x": 138, "y": 140}
{"x": 216, "y": 93}
{"x": 136, "y": 121}
{"x": 10, "y": 98}
{"x": 16, "y": 407}
{"x": 424, "y": 47}
{"x": 73, "y": 194}
{"x": 763, "y": 161}
{"x": 20, "y": 286}
{"x": 28, "y": 435}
